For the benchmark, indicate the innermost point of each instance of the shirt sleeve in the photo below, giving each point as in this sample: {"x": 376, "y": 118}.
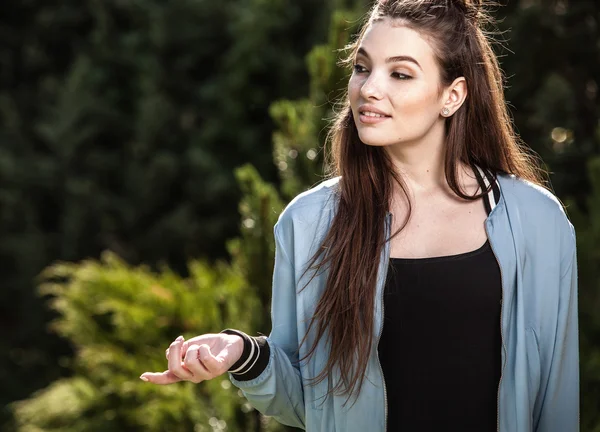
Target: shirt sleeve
{"x": 254, "y": 358}
{"x": 277, "y": 389}
{"x": 560, "y": 406}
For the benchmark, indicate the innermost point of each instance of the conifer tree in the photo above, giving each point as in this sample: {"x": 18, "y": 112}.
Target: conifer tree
{"x": 587, "y": 225}
{"x": 121, "y": 124}
{"x": 120, "y": 318}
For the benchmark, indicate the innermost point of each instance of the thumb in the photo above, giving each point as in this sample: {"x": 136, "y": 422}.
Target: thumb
{"x": 215, "y": 365}
{"x": 225, "y": 356}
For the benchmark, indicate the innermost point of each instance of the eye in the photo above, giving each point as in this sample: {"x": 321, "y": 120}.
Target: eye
{"x": 359, "y": 69}
{"x": 401, "y": 76}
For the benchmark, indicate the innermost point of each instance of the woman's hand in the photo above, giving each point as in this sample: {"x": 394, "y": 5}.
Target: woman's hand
{"x": 198, "y": 359}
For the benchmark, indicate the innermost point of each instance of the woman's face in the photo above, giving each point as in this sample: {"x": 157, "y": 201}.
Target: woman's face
{"x": 396, "y": 74}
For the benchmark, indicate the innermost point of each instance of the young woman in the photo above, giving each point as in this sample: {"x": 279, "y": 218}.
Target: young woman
{"x": 431, "y": 283}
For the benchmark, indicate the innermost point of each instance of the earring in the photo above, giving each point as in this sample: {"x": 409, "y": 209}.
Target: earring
{"x": 445, "y": 111}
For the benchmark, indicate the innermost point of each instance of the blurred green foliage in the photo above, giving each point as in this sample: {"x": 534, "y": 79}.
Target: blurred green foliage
{"x": 587, "y": 226}
{"x": 121, "y": 124}
{"x": 110, "y": 311}
{"x": 120, "y": 319}
{"x": 551, "y": 57}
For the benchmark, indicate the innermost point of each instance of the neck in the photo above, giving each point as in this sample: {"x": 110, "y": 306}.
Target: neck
{"x": 421, "y": 163}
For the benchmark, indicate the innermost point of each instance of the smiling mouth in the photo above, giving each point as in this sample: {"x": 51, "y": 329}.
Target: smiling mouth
{"x": 372, "y": 114}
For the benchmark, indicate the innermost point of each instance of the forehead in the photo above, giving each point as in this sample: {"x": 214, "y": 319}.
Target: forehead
{"x": 387, "y": 38}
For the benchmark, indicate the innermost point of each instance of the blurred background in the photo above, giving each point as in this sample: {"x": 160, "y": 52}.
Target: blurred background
{"x": 146, "y": 150}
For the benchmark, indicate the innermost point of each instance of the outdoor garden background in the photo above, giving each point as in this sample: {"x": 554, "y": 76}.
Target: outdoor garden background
{"x": 146, "y": 150}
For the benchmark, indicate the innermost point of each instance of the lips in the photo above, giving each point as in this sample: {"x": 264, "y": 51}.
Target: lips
{"x": 372, "y": 114}
{"x": 367, "y": 109}
{"x": 372, "y": 119}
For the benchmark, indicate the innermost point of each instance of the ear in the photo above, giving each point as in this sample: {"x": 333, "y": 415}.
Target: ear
{"x": 454, "y": 96}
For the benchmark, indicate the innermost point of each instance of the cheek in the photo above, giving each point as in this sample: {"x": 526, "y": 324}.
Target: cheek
{"x": 415, "y": 105}
{"x": 416, "y": 113}
{"x": 409, "y": 98}
{"x": 354, "y": 89}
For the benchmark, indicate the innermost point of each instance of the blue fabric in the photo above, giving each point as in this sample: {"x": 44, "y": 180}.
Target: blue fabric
{"x": 534, "y": 244}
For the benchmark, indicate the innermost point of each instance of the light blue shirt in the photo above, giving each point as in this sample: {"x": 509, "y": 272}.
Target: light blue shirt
{"x": 534, "y": 244}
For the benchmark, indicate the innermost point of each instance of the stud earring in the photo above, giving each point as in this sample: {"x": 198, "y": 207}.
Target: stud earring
{"x": 445, "y": 111}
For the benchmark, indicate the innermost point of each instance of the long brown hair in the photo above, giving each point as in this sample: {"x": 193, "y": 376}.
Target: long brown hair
{"x": 480, "y": 133}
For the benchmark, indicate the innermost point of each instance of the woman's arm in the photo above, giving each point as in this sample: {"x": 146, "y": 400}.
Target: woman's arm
{"x": 559, "y": 411}
{"x": 275, "y": 388}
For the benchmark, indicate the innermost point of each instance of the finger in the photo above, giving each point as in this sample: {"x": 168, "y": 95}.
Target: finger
{"x": 195, "y": 365}
{"x": 198, "y": 340}
{"x": 174, "y": 360}
{"x": 215, "y": 365}
{"x": 161, "y": 378}
{"x": 167, "y": 353}
{"x": 192, "y": 362}
{"x": 184, "y": 348}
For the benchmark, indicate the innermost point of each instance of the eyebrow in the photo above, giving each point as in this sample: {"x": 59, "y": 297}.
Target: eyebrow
{"x": 394, "y": 59}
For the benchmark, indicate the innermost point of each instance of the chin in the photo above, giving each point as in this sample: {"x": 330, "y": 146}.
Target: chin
{"x": 373, "y": 139}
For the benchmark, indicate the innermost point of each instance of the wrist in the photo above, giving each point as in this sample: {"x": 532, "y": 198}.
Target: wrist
{"x": 243, "y": 345}
{"x": 238, "y": 343}
{"x": 254, "y": 358}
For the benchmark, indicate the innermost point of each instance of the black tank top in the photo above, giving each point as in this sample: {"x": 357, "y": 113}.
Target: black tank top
{"x": 440, "y": 349}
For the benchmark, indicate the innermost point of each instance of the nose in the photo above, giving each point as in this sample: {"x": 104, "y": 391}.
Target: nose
{"x": 370, "y": 89}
